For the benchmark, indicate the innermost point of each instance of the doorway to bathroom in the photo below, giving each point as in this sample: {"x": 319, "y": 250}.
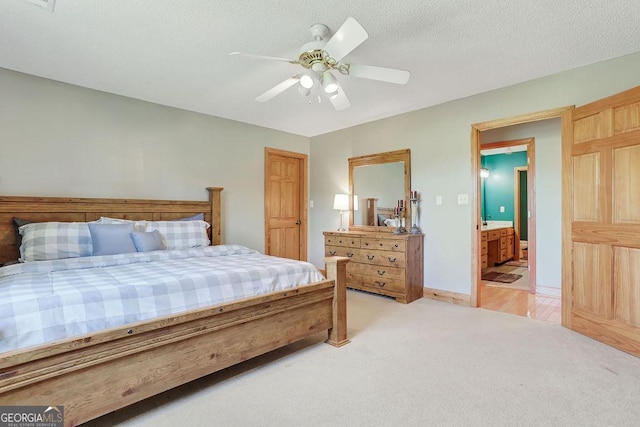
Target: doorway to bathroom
{"x": 506, "y": 191}
{"x": 543, "y": 213}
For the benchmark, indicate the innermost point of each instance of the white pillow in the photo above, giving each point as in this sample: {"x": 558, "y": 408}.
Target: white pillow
{"x": 181, "y": 234}
{"x": 140, "y": 225}
{"x": 42, "y": 241}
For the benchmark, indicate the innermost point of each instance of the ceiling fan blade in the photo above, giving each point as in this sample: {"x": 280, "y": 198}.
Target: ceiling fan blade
{"x": 389, "y": 75}
{"x": 278, "y": 89}
{"x": 271, "y": 58}
{"x": 340, "y": 101}
{"x": 348, "y": 37}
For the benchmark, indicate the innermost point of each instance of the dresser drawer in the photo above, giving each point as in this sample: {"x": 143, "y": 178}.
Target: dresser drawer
{"x": 384, "y": 244}
{"x": 503, "y": 232}
{"x": 378, "y": 271}
{"x": 382, "y": 258}
{"x": 484, "y": 236}
{"x": 484, "y": 247}
{"x": 376, "y": 284}
{"x": 339, "y": 251}
{"x": 348, "y": 241}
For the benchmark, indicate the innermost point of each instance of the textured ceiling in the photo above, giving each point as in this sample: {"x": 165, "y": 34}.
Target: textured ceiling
{"x": 176, "y": 53}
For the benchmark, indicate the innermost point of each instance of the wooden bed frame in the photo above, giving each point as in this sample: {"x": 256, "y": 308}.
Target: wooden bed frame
{"x": 97, "y": 373}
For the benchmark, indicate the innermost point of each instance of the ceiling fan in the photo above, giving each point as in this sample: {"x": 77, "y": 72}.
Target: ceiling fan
{"x": 320, "y": 57}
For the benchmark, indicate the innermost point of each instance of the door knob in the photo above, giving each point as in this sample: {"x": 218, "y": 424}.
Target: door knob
{"x": 298, "y": 222}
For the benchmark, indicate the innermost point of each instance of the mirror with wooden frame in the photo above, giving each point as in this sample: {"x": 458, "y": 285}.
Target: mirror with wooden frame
{"x": 377, "y": 182}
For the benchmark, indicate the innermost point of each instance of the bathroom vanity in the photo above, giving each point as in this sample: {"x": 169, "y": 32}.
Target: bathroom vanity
{"x": 497, "y": 244}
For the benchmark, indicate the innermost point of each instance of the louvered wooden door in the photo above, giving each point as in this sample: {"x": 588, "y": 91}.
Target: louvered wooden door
{"x": 605, "y": 227}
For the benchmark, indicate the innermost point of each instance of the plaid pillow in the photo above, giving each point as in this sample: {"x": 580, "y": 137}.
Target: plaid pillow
{"x": 181, "y": 234}
{"x": 42, "y": 241}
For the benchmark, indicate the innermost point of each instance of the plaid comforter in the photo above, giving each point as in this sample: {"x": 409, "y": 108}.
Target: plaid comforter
{"x": 44, "y": 301}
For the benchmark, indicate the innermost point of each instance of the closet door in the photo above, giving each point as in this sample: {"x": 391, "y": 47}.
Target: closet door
{"x": 285, "y": 204}
{"x": 605, "y": 220}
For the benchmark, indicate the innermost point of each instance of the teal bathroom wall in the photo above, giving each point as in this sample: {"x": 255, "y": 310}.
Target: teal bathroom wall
{"x": 497, "y": 190}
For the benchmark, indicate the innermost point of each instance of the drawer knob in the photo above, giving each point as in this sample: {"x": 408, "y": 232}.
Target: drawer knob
{"x": 396, "y": 245}
{"x": 380, "y": 244}
{"x": 370, "y": 257}
{"x": 340, "y": 241}
{"x": 349, "y": 255}
{"x": 366, "y": 244}
{"x": 392, "y": 259}
{"x": 353, "y": 243}
{"x": 332, "y": 253}
{"x": 381, "y": 284}
{"x": 381, "y": 273}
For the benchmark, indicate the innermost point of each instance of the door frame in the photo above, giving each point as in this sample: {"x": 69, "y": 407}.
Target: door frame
{"x": 304, "y": 195}
{"x": 531, "y": 201}
{"x": 564, "y": 113}
{"x": 516, "y": 208}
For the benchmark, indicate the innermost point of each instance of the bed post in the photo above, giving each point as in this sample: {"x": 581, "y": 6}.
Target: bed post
{"x": 337, "y": 271}
{"x": 214, "y": 199}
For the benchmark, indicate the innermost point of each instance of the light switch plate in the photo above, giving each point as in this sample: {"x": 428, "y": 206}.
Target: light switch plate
{"x": 501, "y": 209}
{"x": 463, "y": 199}
{"x": 439, "y": 200}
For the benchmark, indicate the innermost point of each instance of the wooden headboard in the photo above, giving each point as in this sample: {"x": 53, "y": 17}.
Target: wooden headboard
{"x": 373, "y": 210}
{"x": 66, "y": 209}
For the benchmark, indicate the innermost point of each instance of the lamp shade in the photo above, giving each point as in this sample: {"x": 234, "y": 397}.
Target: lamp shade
{"x": 341, "y": 202}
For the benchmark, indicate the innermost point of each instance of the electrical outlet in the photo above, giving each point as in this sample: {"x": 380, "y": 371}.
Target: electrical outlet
{"x": 310, "y": 203}
{"x": 501, "y": 209}
{"x": 439, "y": 200}
{"x": 463, "y": 199}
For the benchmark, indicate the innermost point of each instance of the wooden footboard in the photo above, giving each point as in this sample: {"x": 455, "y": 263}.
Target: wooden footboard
{"x": 98, "y": 373}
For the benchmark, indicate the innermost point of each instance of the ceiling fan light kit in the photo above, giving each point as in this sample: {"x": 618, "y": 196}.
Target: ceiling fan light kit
{"x": 304, "y": 91}
{"x": 306, "y": 81}
{"x": 322, "y": 56}
{"x": 329, "y": 83}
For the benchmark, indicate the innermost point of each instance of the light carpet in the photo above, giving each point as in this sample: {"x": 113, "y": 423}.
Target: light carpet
{"x": 425, "y": 363}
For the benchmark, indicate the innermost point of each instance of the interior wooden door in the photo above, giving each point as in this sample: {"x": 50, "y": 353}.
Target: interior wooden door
{"x": 605, "y": 223}
{"x": 285, "y": 204}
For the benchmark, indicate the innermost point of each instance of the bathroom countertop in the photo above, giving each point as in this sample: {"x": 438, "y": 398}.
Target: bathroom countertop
{"x": 493, "y": 225}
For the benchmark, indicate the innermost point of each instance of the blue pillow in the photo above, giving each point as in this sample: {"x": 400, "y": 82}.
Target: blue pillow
{"x": 196, "y": 217}
{"x": 112, "y": 239}
{"x": 149, "y": 241}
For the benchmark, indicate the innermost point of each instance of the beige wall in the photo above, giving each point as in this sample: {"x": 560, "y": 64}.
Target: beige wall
{"x": 63, "y": 140}
{"x": 439, "y": 139}
{"x": 58, "y": 139}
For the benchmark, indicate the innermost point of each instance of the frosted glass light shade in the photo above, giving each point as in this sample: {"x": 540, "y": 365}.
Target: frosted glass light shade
{"x": 341, "y": 202}
{"x": 306, "y": 81}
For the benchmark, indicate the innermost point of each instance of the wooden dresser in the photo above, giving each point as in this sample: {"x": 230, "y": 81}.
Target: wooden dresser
{"x": 383, "y": 263}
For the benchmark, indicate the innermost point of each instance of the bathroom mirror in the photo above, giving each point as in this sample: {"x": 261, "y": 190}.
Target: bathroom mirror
{"x": 378, "y": 181}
